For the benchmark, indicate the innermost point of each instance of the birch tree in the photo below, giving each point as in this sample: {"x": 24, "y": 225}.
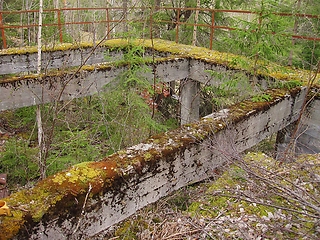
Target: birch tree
{"x": 41, "y": 143}
{"x": 196, "y": 18}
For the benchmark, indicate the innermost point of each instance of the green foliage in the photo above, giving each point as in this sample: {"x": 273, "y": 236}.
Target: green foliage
{"x": 74, "y": 144}
{"x": 310, "y": 55}
{"x": 132, "y": 29}
{"x": 233, "y": 87}
{"x": 261, "y": 98}
{"x": 265, "y": 36}
{"x": 287, "y": 84}
{"x": 130, "y": 229}
{"x": 24, "y": 116}
{"x": 19, "y": 161}
{"x": 129, "y": 118}
{"x": 180, "y": 200}
{"x": 262, "y": 39}
{"x": 21, "y": 118}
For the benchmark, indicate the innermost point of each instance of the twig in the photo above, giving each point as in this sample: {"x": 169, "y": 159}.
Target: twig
{"x": 267, "y": 204}
{"x": 177, "y": 235}
{"x": 201, "y": 229}
{"x": 83, "y": 208}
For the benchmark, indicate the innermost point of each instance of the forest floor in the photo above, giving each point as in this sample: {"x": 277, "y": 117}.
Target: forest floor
{"x": 255, "y": 197}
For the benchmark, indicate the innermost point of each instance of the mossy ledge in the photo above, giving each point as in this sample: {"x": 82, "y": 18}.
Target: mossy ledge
{"x": 73, "y": 72}
{"x": 231, "y": 61}
{"x": 64, "y": 194}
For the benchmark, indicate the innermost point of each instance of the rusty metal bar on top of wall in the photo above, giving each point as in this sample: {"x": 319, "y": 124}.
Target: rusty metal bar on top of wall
{"x": 175, "y": 21}
{"x": 3, "y": 35}
{"x": 60, "y": 27}
{"x": 177, "y": 25}
{"x": 108, "y": 23}
{"x": 212, "y": 29}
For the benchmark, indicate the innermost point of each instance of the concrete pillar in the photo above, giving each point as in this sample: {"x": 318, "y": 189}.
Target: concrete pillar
{"x": 283, "y": 140}
{"x": 307, "y": 139}
{"x": 190, "y": 101}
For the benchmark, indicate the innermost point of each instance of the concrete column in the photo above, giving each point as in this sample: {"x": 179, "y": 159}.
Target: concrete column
{"x": 307, "y": 139}
{"x": 282, "y": 141}
{"x": 190, "y": 101}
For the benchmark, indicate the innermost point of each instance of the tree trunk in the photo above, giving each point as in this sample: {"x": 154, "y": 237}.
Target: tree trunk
{"x": 196, "y": 19}
{"x": 41, "y": 143}
{"x": 155, "y": 29}
{"x": 125, "y": 15}
{"x": 295, "y": 29}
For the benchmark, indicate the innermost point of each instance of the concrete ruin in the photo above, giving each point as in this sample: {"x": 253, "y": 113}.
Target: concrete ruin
{"x": 88, "y": 198}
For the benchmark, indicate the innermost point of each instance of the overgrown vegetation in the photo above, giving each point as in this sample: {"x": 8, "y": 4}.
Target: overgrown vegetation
{"x": 262, "y": 35}
{"x": 234, "y": 206}
{"x": 89, "y": 128}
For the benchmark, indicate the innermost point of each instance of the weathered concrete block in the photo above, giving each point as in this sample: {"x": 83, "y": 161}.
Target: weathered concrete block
{"x": 190, "y": 101}
{"x": 86, "y": 199}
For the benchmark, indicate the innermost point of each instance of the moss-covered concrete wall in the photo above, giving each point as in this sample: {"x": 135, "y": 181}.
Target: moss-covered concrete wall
{"x": 87, "y": 198}
{"x": 66, "y": 80}
{"x": 68, "y": 55}
{"x": 15, "y": 61}
{"x": 16, "y": 92}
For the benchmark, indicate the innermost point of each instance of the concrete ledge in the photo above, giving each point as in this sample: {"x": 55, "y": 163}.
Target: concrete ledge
{"x": 68, "y": 55}
{"x": 31, "y": 90}
{"x": 90, "y": 197}
{"x": 181, "y": 62}
{"x": 62, "y": 56}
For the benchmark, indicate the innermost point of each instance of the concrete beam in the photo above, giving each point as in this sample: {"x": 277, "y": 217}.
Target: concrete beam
{"x": 28, "y": 91}
{"x": 86, "y": 199}
{"x": 63, "y": 56}
{"x": 58, "y": 59}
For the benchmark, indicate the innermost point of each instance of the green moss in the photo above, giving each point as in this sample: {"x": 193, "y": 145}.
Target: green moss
{"x": 236, "y": 178}
{"x": 194, "y": 208}
{"x": 180, "y": 200}
{"x": 147, "y": 156}
{"x": 10, "y": 226}
{"x": 127, "y": 231}
{"x": 130, "y": 229}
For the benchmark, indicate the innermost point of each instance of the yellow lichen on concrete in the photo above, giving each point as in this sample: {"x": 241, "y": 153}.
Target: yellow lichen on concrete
{"x": 80, "y": 172}
{"x": 32, "y": 203}
{"x": 35, "y": 202}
